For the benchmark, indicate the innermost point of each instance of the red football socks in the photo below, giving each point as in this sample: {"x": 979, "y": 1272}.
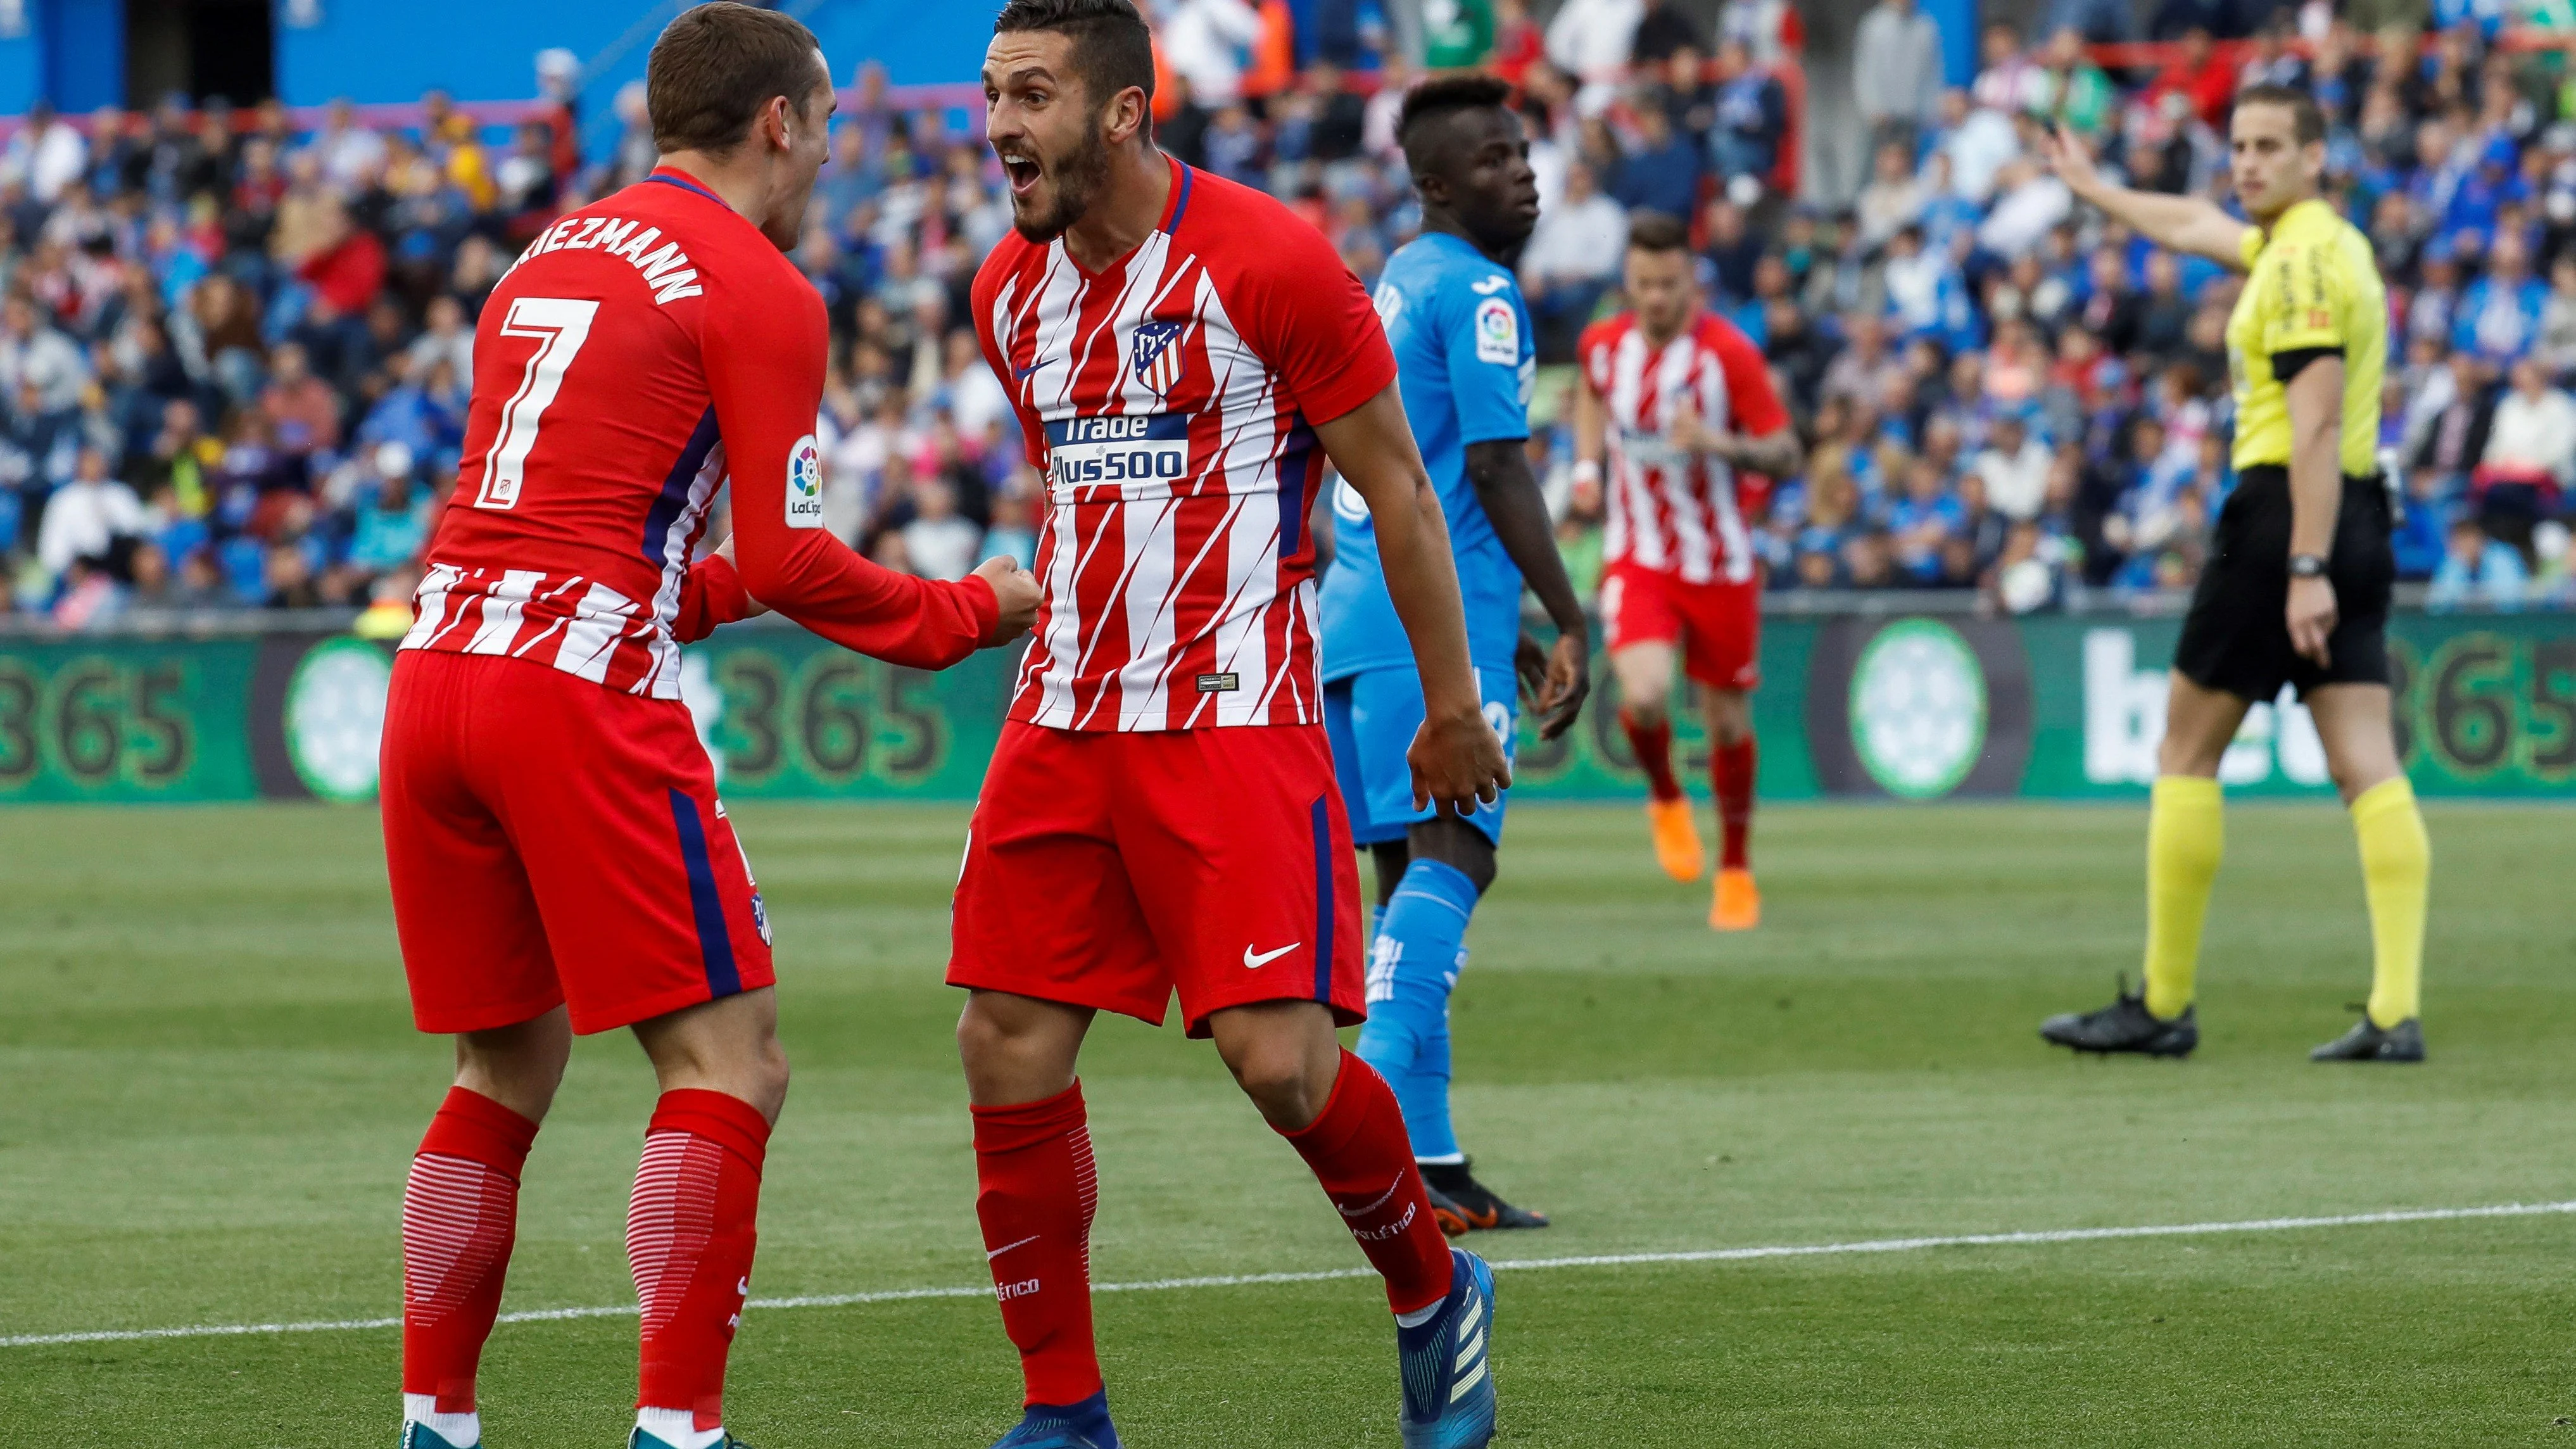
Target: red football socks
{"x": 1731, "y": 769}
{"x": 1654, "y": 750}
{"x": 460, "y": 1215}
{"x": 1035, "y": 1192}
{"x": 689, "y": 1237}
{"x": 1361, "y": 1155}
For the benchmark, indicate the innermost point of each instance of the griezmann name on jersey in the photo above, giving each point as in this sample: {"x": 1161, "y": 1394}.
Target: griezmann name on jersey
{"x": 1169, "y": 401}
{"x": 638, "y": 355}
{"x": 1466, "y": 359}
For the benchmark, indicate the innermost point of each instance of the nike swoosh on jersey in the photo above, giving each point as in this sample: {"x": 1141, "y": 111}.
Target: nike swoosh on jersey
{"x": 1254, "y": 962}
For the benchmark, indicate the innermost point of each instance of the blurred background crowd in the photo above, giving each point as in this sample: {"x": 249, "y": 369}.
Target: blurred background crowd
{"x": 235, "y": 348}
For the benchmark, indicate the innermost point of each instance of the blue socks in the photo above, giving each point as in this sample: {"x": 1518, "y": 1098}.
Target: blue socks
{"x": 1413, "y": 964}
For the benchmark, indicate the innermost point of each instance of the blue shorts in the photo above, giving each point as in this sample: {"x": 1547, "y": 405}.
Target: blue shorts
{"x": 1371, "y": 717}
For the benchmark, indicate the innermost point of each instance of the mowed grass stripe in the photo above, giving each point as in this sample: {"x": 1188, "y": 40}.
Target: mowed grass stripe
{"x": 2037, "y": 1238}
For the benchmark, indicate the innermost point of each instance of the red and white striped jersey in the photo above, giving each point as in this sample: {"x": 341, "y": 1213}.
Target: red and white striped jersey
{"x": 642, "y": 352}
{"x": 1168, "y": 400}
{"x": 1672, "y": 511}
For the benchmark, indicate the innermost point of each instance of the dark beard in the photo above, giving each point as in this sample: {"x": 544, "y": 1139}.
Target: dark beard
{"x": 1077, "y": 181}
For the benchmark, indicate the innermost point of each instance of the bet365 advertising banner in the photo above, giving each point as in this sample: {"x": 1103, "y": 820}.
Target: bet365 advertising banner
{"x": 1904, "y": 708}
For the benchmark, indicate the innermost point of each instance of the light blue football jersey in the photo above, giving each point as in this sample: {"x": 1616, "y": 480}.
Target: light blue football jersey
{"x": 1465, "y": 360}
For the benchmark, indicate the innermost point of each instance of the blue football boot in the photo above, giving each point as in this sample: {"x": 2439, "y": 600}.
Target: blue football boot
{"x": 1448, "y": 1385}
{"x": 1064, "y": 1426}
{"x": 417, "y": 1435}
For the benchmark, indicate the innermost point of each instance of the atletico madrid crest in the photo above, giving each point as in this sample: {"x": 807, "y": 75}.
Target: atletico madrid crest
{"x": 1156, "y": 360}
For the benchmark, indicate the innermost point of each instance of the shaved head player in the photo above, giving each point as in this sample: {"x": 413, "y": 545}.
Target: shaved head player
{"x": 2296, "y": 591}
{"x": 1161, "y": 815}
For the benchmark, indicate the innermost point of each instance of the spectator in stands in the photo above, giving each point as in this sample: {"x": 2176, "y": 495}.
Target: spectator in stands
{"x": 2530, "y": 456}
{"x": 2499, "y": 317}
{"x": 1592, "y": 40}
{"x": 2478, "y": 571}
{"x": 2075, "y": 93}
{"x": 88, "y": 516}
{"x": 2014, "y": 465}
{"x": 1662, "y": 30}
{"x": 1661, "y": 169}
{"x": 1203, "y": 41}
{"x": 1752, "y": 118}
{"x": 300, "y": 406}
{"x": 2007, "y": 79}
{"x": 1896, "y": 70}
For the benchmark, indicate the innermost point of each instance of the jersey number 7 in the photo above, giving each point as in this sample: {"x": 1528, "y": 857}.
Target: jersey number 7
{"x": 560, "y": 325}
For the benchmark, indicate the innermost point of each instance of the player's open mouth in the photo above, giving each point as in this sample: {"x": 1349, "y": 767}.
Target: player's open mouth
{"x": 1024, "y": 174}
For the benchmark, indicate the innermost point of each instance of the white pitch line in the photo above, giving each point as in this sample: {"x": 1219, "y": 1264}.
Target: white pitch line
{"x": 1240, "y": 1280}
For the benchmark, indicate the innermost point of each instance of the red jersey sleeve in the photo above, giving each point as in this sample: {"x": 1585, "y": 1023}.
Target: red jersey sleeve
{"x": 1310, "y": 319}
{"x": 1753, "y": 406}
{"x": 711, "y": 593}
{"x": 762, "y": 346}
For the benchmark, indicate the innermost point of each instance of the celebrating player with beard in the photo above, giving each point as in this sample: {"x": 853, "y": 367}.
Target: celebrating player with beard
{"x": 1184, "y": 354}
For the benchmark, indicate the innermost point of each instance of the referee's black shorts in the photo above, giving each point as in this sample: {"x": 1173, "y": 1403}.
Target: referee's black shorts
{"x": 2237, "y": 637}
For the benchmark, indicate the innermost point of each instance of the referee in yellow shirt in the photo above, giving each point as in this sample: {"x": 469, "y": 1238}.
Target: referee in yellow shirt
{"x": 2297, "y": 585}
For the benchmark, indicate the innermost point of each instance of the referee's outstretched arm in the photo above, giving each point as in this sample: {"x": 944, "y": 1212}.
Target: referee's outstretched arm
{"x": 2183, "y": 223}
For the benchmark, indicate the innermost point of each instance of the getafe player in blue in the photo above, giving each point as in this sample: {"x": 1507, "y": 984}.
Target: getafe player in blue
{"x": 1464, "y": 360}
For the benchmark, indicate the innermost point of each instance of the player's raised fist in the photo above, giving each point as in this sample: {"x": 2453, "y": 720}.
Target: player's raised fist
{"x": 1016, "y": 589}
{"x": 1458, "y": 760}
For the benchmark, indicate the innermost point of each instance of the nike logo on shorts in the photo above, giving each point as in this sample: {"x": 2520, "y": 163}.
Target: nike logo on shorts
{"x": 1253, "y": 962}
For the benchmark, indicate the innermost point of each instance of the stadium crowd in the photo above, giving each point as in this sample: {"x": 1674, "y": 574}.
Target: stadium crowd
{"x": 234, "y": 354}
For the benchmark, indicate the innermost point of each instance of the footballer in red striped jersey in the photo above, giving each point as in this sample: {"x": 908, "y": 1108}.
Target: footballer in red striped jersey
{"x": 1676, "y": 406}
{"x": 1161, "y": 816}
{"x": 559, "y": 861}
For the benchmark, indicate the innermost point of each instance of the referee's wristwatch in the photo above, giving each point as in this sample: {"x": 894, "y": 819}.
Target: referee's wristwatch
{"x": 2307, "y": 566}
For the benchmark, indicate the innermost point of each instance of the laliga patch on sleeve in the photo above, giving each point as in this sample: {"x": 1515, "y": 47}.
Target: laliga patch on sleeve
{"x": 805, "y": 484}
{"x": 1498, "y": 332}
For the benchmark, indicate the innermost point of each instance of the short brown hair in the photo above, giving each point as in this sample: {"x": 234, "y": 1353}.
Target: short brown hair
{"x": 2307, "y": 121}
{"x": 1653, "y": 231}
{"x": 715, "y": 68}
{"x": 1113, "y": 48}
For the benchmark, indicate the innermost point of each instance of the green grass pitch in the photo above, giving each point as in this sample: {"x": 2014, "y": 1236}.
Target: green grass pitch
{"x": 209, "y": 1092}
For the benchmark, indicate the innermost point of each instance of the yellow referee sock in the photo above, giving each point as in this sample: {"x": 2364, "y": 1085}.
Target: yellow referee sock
{"x": 2186, "y": 833}
{"x": 2396, "y": 875}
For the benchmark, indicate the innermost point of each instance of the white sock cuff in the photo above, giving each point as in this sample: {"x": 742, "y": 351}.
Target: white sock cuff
{"x": 1421, "y": 1316}
{"x": 462, "y": 1430}
{"x": 677, "y": 1428}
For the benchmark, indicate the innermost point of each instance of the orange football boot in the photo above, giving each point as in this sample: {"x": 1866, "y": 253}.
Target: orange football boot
{"x": 1676, "y": 838}
{"x": 1739, "y": 905}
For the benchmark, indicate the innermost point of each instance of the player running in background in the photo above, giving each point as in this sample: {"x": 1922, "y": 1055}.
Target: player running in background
{"x": 1465, "y": 360}
{"x": 1675, "y": 402}
{"x": 1161, "y": 813}
{"x": 2300, "y": 571}
{"x": 559, "y": 860}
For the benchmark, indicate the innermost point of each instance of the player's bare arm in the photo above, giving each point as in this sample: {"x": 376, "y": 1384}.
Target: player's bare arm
{"x": 2315, "y": 396}
{"x": 1457, "y": 761}
{"x": 1500, "y": 471}
{"x": 2183, "y": 223}
{"x": 1775, "y": 454}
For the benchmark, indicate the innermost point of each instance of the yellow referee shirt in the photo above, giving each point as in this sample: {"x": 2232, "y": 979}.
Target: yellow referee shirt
{"x": 2313, "y": 284}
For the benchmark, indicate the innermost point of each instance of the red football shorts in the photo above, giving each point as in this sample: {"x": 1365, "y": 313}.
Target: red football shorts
{"x": 1108, "y": 869}
{"x": 551, "y": 841}
{"x": 1717, "y": 624}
